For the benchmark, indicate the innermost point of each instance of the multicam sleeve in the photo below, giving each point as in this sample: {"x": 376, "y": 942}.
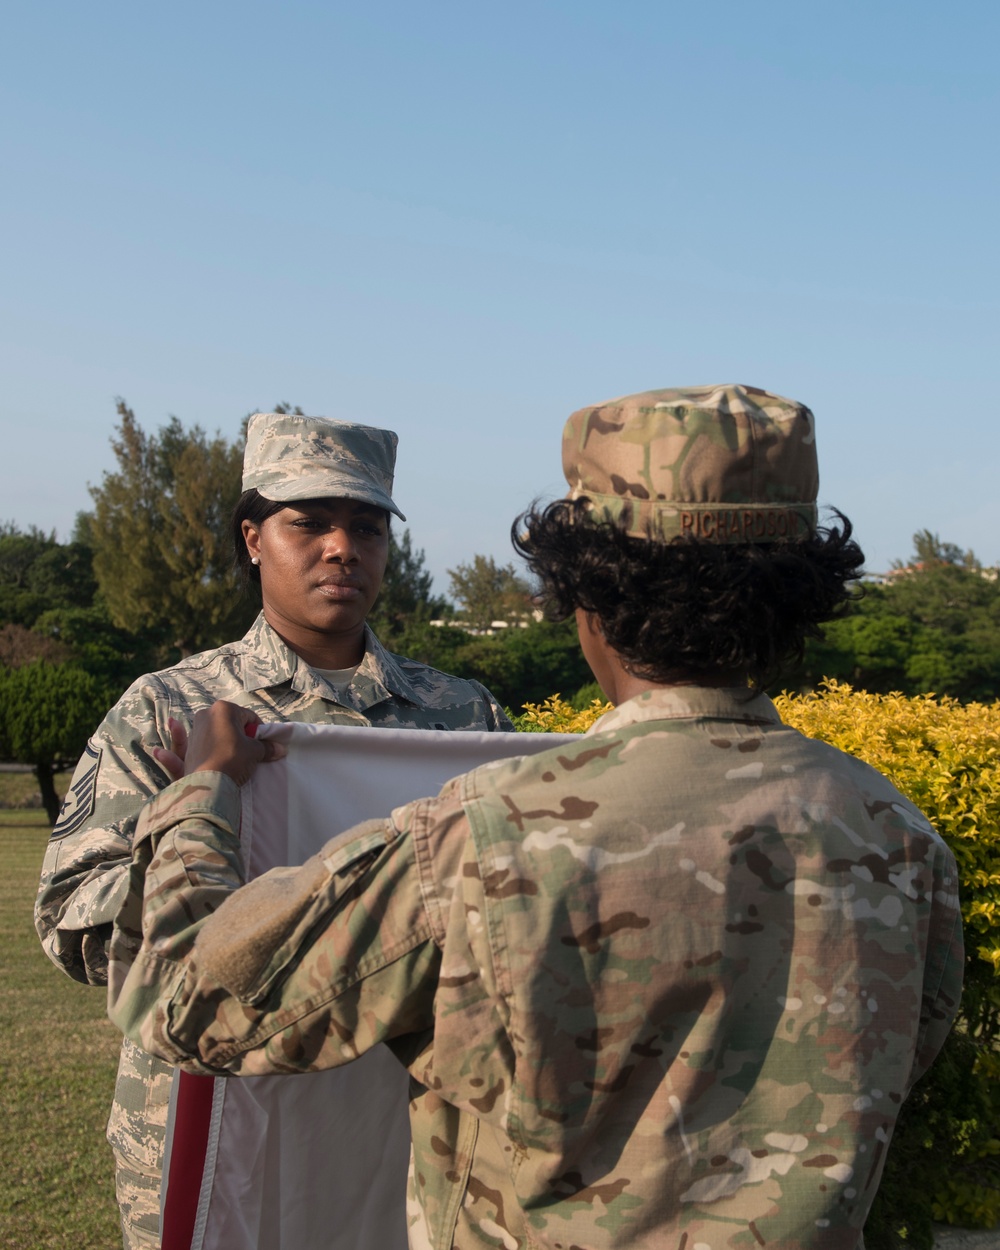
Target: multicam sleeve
{"x": 87, "y": 858}
{"x": 301, "y": 969}
{"x": 945, "y": 965}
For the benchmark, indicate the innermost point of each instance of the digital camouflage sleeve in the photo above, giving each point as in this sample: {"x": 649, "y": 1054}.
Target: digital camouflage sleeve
{"x": 86, "y": 868}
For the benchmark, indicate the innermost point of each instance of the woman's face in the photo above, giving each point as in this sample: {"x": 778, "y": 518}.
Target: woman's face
{"x": 321, "y": 566}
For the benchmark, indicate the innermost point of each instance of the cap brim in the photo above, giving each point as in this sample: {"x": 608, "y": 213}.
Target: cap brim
{"x": 324, "y": 486}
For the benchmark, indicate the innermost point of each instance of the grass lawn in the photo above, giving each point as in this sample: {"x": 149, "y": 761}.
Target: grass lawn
{"x": 20, "y": 790}
{"x": 58, "y": 1060}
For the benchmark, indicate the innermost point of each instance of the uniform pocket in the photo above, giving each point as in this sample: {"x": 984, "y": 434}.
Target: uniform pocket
{"x": 265, "y": 926}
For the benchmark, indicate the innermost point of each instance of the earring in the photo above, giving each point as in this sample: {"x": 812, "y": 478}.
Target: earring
{"x": 255, "y": 559}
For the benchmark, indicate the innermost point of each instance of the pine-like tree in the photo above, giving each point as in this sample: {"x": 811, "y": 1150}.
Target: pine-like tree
{"x": 488, "y": 592}
{"x": 160, "y": 534}
{"x": 406, "y": 599}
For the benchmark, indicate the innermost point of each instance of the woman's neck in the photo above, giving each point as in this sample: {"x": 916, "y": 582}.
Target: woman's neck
{"x": 321, "y": 650}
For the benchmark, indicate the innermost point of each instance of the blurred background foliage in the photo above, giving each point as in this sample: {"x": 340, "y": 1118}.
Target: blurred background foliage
{"x": 147, "y": 578}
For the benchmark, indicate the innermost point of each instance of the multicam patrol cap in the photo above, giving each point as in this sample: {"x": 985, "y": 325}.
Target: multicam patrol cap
{"x": 729, "y": 464}
{"x": 291, "y": 457}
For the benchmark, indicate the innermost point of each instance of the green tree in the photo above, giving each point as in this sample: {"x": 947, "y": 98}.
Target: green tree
{"x": 868, "y": 650}
{"x": 63, "y": 576}
{"x": 406, "y": 600}
{"x": 932, "y": 627}
{"x": 20, "y": 550}
{"x": 519, "y": 665}
{"x": 112, "y": 655}
{"x": 488, "y": 592}
{"x": 945, "y": 597}
{"x": 929, "y": 550}
{"x": 50, "y": 608}
{"x": 547, "y": 660}
{"x": 160, "y": 534}
{"x": 47, "y": 712}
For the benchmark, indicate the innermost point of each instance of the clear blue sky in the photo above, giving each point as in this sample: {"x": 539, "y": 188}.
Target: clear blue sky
{"x": 463, "y": 221}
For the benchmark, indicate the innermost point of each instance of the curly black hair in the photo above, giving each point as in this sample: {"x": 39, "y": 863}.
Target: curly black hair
{"x": 689, "y": 607}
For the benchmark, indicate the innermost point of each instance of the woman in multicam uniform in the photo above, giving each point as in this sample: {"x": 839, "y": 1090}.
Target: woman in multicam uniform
{"x": 311, "y": 528}
{"x": 665, "y": 988}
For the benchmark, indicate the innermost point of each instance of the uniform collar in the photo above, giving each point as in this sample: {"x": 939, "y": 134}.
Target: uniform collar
{"x": 379, "y": 677}
{"x": 690, "y": 703}
{"x": 269, "y": 661}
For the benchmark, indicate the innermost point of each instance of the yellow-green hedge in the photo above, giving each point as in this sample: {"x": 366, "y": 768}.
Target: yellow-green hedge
{"x": 556, "y": 716}
{"x": 945, "y": 757}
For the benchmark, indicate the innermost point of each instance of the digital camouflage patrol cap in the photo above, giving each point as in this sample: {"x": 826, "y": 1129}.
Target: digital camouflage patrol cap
{"x": 730, "y": 464}
{"x": 291, "y": 457}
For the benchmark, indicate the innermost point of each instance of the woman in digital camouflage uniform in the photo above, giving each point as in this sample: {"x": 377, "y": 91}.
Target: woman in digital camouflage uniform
{"x": 311, "y": 528}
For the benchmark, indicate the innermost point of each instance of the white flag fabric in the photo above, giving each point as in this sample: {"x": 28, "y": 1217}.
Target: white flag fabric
{"x": 317, "y": 1161}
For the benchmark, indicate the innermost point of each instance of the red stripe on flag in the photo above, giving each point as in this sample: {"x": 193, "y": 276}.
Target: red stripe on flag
{"x": 192, "y": 1120}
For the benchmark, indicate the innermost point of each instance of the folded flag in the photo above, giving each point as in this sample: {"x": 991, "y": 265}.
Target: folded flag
{"x": 317, "y": 1161}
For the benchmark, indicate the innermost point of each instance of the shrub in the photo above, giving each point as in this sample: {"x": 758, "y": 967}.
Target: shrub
{"x": 945, "y": 1158}
{"x": 556, "y": 716}
{"x": 47, "y": 712}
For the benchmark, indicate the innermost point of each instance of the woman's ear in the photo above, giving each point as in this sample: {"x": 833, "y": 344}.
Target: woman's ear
{"x": 251, "y": 536}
